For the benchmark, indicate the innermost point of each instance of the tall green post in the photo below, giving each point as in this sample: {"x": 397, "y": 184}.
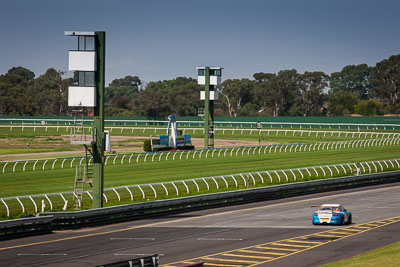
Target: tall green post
{"x": 98, "y": 122}
{"x": 89, "y": 63}
{"x": 207, "y": 107}
{"x": 211, "y": 120}
{"x": 209, "y": 77}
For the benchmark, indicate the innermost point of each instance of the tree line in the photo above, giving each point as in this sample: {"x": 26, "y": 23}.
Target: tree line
{"x": 356, "y": 89}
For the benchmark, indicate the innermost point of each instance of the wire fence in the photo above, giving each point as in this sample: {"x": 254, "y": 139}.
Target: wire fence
{"x": 143, "y": 157}
{"x": 14, "y": 206}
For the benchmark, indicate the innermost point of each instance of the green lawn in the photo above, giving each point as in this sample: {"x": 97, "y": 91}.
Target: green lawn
{"x": 386, "y": 256}
{"x": 13, "y": 140}
{"x": 222, "y": 133}
{"x": 61, "y": 180}
{"x": 19, "y": 183}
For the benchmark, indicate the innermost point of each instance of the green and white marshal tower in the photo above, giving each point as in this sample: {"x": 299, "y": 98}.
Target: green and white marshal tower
{"x": 210, "y": 77}
{"x": 89, "y": 61}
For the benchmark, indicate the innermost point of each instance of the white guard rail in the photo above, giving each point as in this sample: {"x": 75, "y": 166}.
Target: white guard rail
{"x": 39, "y": 121}
{"x": 145, "y": 192}
{"x": 128, "y": 158}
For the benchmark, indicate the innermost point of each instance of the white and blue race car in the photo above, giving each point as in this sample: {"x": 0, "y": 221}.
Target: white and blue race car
{"x": 331, "y": 214}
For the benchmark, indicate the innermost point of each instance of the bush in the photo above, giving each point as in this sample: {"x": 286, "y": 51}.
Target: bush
{"x": 166, "y": 148}
{"x": 147, "y": 145}
{"x": 187, "y": 147}
{"x": 369, "y": 107}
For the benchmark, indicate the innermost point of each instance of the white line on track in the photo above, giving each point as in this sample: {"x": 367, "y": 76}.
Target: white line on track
{"x": 299, "y": 227}
{"x": 132, "y": 238}
{"x": 43, "y": 254}
{"x": 219, "y": 239}
{"x": 128, "y": 254}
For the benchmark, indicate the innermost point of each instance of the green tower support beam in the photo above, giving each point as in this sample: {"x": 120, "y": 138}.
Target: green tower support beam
{"x": 207, "y": 107}
{"x": 209, "y": 77}
{"x": 98, "y": 122}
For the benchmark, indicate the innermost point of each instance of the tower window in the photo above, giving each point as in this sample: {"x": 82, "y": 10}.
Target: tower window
{"x": 86, "y": 79}
{"x": 215, "y": 72}
{"x": 86, "y": 43}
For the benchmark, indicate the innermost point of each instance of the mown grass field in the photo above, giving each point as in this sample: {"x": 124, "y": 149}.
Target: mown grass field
{"x": 19, "y": 183}
{"x": 14, "y": 139}
{"x": 386, "y": 256}
{"x": 62, "y": 180}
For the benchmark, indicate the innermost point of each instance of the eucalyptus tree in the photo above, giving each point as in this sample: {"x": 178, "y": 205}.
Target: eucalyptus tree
{"x": 385, "y": 78}
{"x": 16, "y": 97}
{"x": 262, "y": 91}
{"x": 50, "y": 90}
{"x": 311, "y": 96}
{"x": 121, "y": 91}
{"x": 341, "y": 103}
{"x": 353, "y": 79}
{"x": 180, "y": 96}
{"x": 235, "y": 94}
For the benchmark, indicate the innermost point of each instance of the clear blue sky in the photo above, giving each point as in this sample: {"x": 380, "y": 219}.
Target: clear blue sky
{"x": 165, "y": 39}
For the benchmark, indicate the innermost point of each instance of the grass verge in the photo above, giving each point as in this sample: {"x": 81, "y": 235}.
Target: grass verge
{"x": 385, "y": 256}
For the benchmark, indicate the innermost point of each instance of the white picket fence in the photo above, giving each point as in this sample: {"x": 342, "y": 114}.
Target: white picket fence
{"x": 46, "y": 121}
{"x": 144, "y": 192}
{"x": 221, "y": 130}
{"x": 72, "y": 162}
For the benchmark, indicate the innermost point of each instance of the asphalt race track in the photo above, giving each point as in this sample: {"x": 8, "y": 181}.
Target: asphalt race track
{"x": 271, "y": 233}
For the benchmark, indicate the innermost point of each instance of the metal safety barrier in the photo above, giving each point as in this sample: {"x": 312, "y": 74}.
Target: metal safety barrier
{"x": 26, "y": 227}
{"x": 147, "y": 261}
{"x": 64, "y": 220}
{"x": 94, "y": 217}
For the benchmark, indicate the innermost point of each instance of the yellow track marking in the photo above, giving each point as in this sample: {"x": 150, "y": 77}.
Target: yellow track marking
{"x": 227, "y": 265}
{"x": 186, "y": 219}
{"x": 351, "y": 229}
{"x": 289, "y": 245}
{"x": 364, "y": 227}
{"x": 301, "y": 241}
{"x": 371, "y": 225}
{"x": 261, "y": 252}
{"x": 324, "y": 235}
{"x": 294, "y": 248}
{"x": 380, "y": 222}
{"x": 285, "y": 249}
{"x": 246, "y": 256}
{"x": 218, "y": 259}
{"x": 340, "y": 233}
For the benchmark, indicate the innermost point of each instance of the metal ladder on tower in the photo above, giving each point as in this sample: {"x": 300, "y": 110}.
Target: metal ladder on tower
{"x": 83, "y": 176}
{"x": 78, "y": 122}
{"x": 82, "y": 133}
{"x": 201, "y": 112}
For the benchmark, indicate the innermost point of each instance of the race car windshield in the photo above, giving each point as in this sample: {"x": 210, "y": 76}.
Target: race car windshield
{"x": 325, "y": 209}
